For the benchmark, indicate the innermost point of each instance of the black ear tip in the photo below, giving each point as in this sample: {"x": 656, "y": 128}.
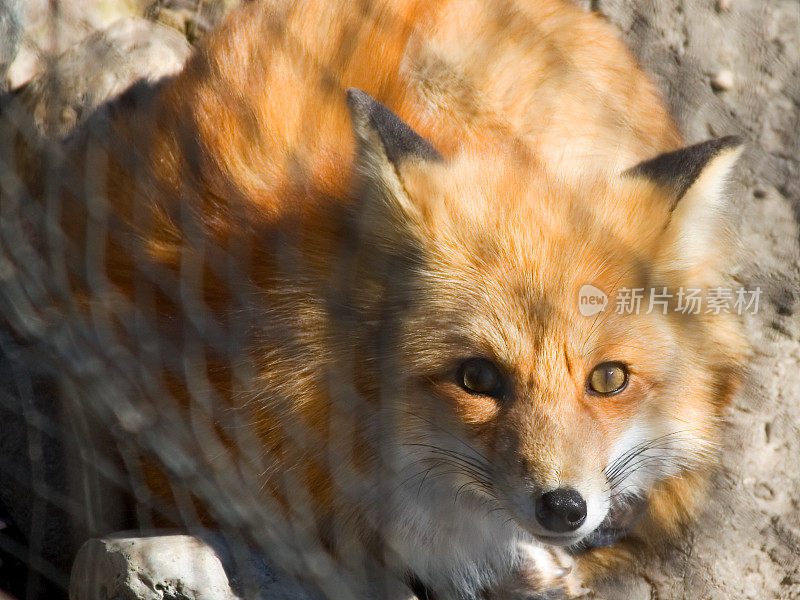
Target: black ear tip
{"x": 679, "y": 169}
{"x": 399, "y": 139}
{"x": 708, "y": 149}
{"x": 359, "y": 102}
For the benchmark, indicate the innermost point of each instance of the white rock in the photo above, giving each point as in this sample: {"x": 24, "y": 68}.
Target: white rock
{"x": 126, "y": 566}
{"x": 100, "y": 68}
{"x": 148, "y": 568}
{"x": 11, "y": 28}
{"x": 723, "y": 80}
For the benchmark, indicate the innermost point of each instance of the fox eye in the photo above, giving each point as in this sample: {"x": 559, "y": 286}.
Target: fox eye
{"x": 480, "y": 376}
{"x": 608, "y": 378}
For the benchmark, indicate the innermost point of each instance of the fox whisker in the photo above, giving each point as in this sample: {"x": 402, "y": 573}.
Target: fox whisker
{"x": 637, "y": 459}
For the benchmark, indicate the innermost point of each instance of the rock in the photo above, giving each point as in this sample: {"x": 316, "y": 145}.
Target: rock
{"x": 51, "y": 28}
{"x": 148, "y": 568}
{"x": 100, "y": 68}
{"x": 126, "y": 566}
{"x": 193, "y": 18}
{"x": 764, "y": 492}
{"x": 722, "y": 81}
{"x": 11, "y": 29}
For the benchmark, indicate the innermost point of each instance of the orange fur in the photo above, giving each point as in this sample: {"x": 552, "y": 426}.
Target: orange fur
{"x": 537, "y": 109}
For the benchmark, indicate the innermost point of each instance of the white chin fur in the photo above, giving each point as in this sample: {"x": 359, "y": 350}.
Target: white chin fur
{"x": 458, "y": 546}
{"x": 461, "y": 543}
{"x": 457, "y": 543}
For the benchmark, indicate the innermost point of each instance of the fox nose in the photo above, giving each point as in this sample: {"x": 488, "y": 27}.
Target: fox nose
{"x": 561, "y": 510}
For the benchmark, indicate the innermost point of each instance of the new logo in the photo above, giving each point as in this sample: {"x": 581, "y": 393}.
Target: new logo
{"x": 591, "y": 300}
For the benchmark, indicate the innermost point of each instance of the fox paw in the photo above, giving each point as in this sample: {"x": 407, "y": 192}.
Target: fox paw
{"x": 543, "y": 573}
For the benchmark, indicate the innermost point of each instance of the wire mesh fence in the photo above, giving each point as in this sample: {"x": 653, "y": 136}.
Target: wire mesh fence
{"x": 111, "y": 394}
{"x": 152, "y": 382}
{"x": 91, "y": 398}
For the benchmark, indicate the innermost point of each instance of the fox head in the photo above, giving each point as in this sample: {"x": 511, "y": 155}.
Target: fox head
{"x": 506, "y": 388}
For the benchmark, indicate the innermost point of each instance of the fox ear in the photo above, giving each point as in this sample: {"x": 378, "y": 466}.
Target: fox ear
{"x": 694, "y": 180}
{"x": 387, "y": 147}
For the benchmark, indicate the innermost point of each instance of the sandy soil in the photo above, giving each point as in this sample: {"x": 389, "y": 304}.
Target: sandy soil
{"x": 727, "y": 66}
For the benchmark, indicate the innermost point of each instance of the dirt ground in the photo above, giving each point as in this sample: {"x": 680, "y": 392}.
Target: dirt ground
{"x": 726, "y": 67}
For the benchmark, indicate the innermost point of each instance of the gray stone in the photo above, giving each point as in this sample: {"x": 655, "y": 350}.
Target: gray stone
{"x": 148, "y": 568}
{"x": 723, "y": 80}
{"x": 100, "y": 68}
{"x": 11, "y": 29}
{"x": 127, "y": 566}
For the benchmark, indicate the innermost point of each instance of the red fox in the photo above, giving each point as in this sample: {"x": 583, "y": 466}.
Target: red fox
{"x": 416, "y": 193}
